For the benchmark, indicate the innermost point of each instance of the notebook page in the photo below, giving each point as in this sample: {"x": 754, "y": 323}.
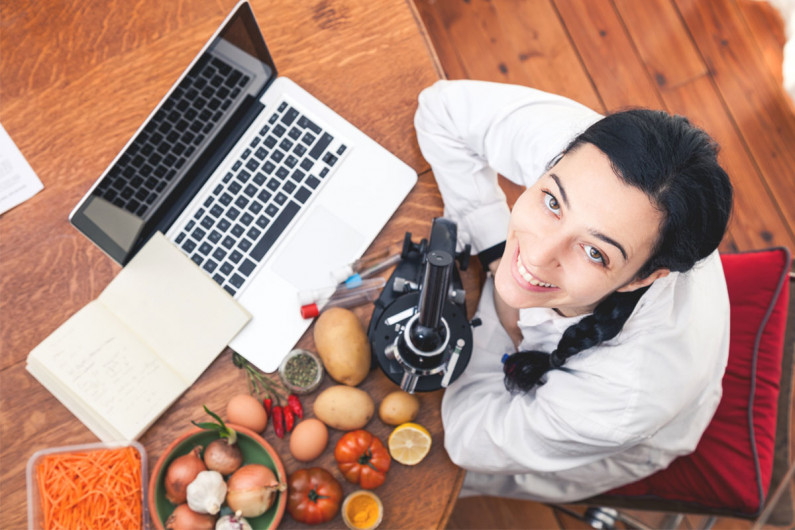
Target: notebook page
{"x": 174, "y": 307}
{"x": 103, "y": 375}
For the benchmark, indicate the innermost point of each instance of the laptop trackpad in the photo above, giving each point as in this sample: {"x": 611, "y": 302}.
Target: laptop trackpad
{"x": 323, "y": 244}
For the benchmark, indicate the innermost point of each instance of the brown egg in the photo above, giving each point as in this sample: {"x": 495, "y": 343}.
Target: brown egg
{"x": 308, "y": 440}
{"x": 246, "y": 410}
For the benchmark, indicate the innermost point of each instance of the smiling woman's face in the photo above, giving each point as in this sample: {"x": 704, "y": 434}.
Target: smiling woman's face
{"x": 576, "y": 236}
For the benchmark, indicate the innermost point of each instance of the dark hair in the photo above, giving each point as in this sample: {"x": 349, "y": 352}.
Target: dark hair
{"x": 675, "y": 164}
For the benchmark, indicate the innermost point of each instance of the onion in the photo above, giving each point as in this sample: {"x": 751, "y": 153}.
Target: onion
{"x": 183, "y": 518}
{"x": 252, "y": 489}
{"x": 180, "y": 473}
{"x": 223, "y": 456}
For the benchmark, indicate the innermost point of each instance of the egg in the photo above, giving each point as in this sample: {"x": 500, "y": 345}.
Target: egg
{"x": 247, "y": 411}
{"x": 308, "y": 440}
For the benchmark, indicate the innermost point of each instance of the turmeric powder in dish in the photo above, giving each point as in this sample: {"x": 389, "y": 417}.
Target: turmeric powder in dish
{"x": 362, "y": 510}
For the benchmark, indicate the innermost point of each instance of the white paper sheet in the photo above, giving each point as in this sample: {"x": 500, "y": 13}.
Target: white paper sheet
{"x": 18, "y": 181}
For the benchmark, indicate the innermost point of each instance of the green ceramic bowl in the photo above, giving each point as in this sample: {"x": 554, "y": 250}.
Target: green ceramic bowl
{"x": 255, "y": 451}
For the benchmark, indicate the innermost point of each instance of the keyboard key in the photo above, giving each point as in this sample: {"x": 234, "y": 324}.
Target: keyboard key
{"x": 210, "y": 265}
{"x": 253, "y": 233}
{"x": 341, "y": 149}
{"x": 218, "y": 279}
{"x": 219, "y": 254}
{"x": 306, "y": 123}
{"x": 280, "y": 198}
{"x": 235, "y": 256}
{"x": 225, "y": 199}
{"x": 321, "y": 145}
{"x": 262, "y": 221}
{"x": 237, "y": 280}
{"x": 246, "y": 218}
{"x": 312, "y": 181}
{"x": 288, "y": 187}
{"x": 302, "y": 194}
{"x": 307, "y": 164}
{"x": 259, "y": 179}
{"x": 298, "y": 175}
{"x": 232, "y": 213}
{"x": 271, "y": 210}
{"x": 208, "y": 222}
{"x": 289, "y": 116}
{"x": 238, "y": 230}
{"x": 188, "y": 246}
{"x": 223, "y": 225}
{"x": 215, "y": 236}
{"x": 197, "y": 259}
{"x": 330, "y": 159}
{"x": 264, "y": 196}
{"x": 241, "y": 202}
{"x": 247, "y": 267}
{"x": 279, "y": 131}
{"x": 198, "y": 234}
{"x": 291, "y": 161}
{"x": 244, "y": 245}
{"x": 205, "y": 248}
{"x": 295, "y": 133}
{"x": 272, "y": 233}
{"x": 226, "y": 268}
{"x": 282, "y": 172}
{"x": 228, "y": 242}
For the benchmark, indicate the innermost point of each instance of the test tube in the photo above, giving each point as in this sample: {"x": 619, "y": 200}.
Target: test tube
{"x": 314, "y": 295}
{"x": 345, "y": 298}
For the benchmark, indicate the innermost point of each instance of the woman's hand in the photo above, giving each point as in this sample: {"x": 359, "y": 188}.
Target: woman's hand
{"x": 509, "y": 316}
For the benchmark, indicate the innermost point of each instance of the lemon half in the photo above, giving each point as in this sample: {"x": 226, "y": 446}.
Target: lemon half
{"x": 409, "y": 443}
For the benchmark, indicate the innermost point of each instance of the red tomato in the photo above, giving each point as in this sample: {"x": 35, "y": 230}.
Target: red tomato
{"x": 314, "y": 496}
{"x": 362, "y": 458}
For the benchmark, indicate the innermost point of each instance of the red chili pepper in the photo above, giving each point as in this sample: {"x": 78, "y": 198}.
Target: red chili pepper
{"x": 268, "y": 403}
{"x": 278, "y": 421}
{"x": 295, "y": 405}
{"x": 289, "y": 419}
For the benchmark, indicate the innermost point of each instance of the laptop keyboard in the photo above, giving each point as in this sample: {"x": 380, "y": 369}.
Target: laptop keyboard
{"x": 171, "y": 137}
{"x": 275, "y": 174}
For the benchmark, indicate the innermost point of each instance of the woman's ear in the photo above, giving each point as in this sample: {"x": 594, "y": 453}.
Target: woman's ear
{"x": 643, "y": 282}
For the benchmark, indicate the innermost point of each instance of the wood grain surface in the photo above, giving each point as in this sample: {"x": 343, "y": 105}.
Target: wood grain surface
{"x": 78, "y": 78}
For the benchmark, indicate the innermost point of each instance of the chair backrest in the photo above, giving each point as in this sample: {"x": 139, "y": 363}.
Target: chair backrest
{"x": 732, "y": 468}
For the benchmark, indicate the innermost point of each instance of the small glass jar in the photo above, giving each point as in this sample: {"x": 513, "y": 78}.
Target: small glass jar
{"x": 301, "y": 371}
{"x": 362, "y": 510}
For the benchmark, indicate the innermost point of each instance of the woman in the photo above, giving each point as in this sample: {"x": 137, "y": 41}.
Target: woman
{"x": 607, "y": 288}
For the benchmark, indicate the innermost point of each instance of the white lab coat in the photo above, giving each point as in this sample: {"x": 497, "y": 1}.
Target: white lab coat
{"x": 615, "y": 413}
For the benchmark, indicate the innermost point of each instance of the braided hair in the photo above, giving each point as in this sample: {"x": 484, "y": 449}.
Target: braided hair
{"x": 675, "y": 164}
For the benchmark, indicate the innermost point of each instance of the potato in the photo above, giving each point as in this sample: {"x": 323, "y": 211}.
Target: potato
{"x": 398, "y": 407}
{"x": 343, "y": 407}
{"x": 342, "y": 345}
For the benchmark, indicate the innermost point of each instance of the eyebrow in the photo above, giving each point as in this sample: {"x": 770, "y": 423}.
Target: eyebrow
{"x": 595, "y": 233}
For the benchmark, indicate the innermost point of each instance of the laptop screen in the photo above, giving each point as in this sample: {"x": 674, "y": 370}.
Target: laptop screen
{"x": 182, "y": 141}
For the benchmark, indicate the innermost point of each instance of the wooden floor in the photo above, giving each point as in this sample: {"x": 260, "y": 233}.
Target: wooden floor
{"x": 716, "y": 61}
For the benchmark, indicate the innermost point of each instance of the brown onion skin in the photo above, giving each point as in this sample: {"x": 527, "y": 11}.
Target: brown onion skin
{"x": 252, "y": 490}
{"x": 222, "y": 457}
{"x": 181, "y": 472}
{"x": 183, "y": 518}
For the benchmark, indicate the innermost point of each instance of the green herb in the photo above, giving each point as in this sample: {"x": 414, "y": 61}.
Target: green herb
{"x": 301, "y": 370}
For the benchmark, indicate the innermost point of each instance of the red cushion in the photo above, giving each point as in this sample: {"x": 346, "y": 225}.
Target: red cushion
{"x": 732, "y": 464}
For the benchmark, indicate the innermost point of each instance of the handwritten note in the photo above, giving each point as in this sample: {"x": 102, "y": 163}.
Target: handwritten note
{"x": 121, "y": 360}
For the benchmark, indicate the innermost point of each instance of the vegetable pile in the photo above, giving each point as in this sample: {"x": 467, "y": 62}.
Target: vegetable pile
{"x": 205, "y": 479}
{"x": 91, "y": 489}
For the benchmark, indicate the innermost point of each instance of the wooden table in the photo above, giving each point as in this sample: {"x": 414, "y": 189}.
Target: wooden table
{"x": 78, "y": 78}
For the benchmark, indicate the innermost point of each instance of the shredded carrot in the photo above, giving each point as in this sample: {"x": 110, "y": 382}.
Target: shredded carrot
{"x": 91, "y": 489}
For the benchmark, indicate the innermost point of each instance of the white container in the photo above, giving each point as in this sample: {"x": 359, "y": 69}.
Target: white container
{"x": 35, "y": 515}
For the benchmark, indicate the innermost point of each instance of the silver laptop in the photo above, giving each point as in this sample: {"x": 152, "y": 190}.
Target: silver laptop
{"x": 263, "y": 186}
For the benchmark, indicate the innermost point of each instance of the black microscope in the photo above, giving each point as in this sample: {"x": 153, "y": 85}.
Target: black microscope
{"x": 419, "y": 332}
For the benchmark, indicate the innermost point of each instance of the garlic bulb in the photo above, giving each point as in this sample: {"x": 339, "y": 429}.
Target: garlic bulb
{"x": 232, "y": 522}
{"x": 207, "y": 492}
